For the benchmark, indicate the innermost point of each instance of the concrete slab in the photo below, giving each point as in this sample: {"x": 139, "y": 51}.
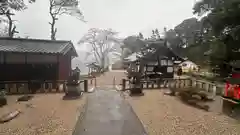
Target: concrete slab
{"x": 107, "y": 113}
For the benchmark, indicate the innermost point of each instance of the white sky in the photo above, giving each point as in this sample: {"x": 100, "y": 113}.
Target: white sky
{"x": 125, "y": 16}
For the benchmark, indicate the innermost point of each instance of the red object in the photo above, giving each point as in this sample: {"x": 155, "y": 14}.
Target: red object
{"x": 237, "y": 92}
{"x": 236, "y": 89}
{"x": 236, "y": 76}
{"x": 227, "y": 86}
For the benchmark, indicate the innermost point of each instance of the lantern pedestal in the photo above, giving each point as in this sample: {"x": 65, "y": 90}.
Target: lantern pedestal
{"x": 136, "y": 89}
{"x": 74, "y": 89}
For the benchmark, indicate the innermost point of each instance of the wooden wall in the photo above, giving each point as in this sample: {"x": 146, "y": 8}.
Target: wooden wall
{"x": 21, "y": 58}
{"x": 19, "y": 66}
{"x": 64, "y": 67}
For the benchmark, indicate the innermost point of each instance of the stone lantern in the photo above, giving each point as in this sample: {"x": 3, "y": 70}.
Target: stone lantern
{"x": 73, "y": 84}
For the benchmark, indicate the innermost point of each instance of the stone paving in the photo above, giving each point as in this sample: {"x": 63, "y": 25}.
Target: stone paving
{"x": 107, "y": 113}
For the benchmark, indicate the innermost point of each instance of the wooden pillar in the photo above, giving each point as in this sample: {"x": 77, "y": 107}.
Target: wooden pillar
{"x": 64, "y": 87}
{"x": 147, "y": 83}
{"x": 29, "y": 87}
{"x": 91, "y": 81}
{"x": 57, "y": 86}
{"x": 89, "y": 71}
{"x": 50, "y": 87}
{"x": 114, "y": 82}
{"x": 85, "y": 86}
{"x": 123, "y": 84}
{"x": 57, "y": 72}
{"x": 190, "y": 82}
{"x": 153, "y": 85}
{"x": 4, "y": 58}
{"x": 158, "y": 83}
{"x": 43, "y": 87}
{"x": 95, "y": 82}
{"x": 214, "y": 91}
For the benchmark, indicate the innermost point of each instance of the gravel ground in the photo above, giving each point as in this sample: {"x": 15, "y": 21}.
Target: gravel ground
{"x": 166, "y": 115}
{"x": 48, "y": 115}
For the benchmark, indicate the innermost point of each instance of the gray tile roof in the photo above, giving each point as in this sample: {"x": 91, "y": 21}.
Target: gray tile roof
{"x": 22, "y": 45}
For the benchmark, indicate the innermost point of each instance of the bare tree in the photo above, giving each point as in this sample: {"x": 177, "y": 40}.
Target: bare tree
{"x": 7, "y": 8}
{"x": 103, "y": 45}
{"x": 60, "y": 7}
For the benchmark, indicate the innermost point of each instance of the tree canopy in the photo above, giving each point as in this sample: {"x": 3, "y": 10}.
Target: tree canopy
{"x": 103, "y": 45}
{"x": 221, "y": 31}
{"x": 61, "y": 7}
{"x": 7, "y": 10}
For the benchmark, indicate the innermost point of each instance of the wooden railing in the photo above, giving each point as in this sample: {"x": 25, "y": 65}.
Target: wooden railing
{"x": 31, "y": 87}
{"x": 175, "y": 83}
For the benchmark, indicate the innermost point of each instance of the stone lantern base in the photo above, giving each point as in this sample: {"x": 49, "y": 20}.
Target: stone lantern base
{"x": 136, "y": 89}
{"x": 73, "y": 90}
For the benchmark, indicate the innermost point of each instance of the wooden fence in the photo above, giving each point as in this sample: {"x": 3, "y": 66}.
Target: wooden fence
{"x": 175, "y": 83}
{"x": 31, "y": 87}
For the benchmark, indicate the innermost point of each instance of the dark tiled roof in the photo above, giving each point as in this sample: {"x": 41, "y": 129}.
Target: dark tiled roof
{"x": 161, "y": 51}
{"x": 22, "y": 45}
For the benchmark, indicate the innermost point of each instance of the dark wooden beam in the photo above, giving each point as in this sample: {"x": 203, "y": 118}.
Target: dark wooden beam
{"x": 4, "y": 58}
{"x": 58, "y": 62}
{"x": 25, "y": 60}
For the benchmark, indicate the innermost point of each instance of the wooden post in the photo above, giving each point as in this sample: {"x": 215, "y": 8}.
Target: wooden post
{"x": 165, "y": 84}
{"x": 203, "y": 84}
{"x": 85, "y": 86}
{"x": 114, "y": 82}
{"x": 175, "y": 84}
{"x": 142, "y": 85}
{"x": 207, "y": 87}
{"x": 123, "y": 84}
{"x": 181, "y": 83}
{"x": 178, "y": 83}
{"x": 17, "y": 88}
{"x": 194, "y": 83}
{"x": 158, "y": 83}
{"x": 95, "y": 82}
{"x": 190, "y": 82}
{"x": 57, "y": 86}
{"x": 214, "y": 92}
{"x": 7, "y": 88}
{"x": 197, "y": 83}
{"x": 147, "y": 83}
{"x": 170, "y": 84}
{"x": 50, "y": 87}
{"x": 64, "y": 87}
{"x": 43, "y": 87}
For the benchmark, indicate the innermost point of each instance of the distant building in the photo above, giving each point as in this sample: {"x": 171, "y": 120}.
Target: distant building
{"x": 188, "y": 66}
{"x": 118, "y": 65}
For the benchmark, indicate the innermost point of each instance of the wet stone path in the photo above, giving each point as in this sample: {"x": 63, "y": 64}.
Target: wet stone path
{"x": 107, "y": 113}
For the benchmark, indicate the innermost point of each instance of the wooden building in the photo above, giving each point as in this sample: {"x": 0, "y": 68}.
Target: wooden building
{"x": 158, "y": 60}
{"x": 35, "y": 59}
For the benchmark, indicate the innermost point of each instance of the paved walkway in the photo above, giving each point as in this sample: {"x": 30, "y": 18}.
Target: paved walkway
{"x": 107, "y": 113}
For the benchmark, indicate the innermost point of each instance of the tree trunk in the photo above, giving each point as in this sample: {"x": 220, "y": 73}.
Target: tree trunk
{"x": 54, "y": 18}
{"x": 53, "y": 29}
{"x": 10, "y": 25}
